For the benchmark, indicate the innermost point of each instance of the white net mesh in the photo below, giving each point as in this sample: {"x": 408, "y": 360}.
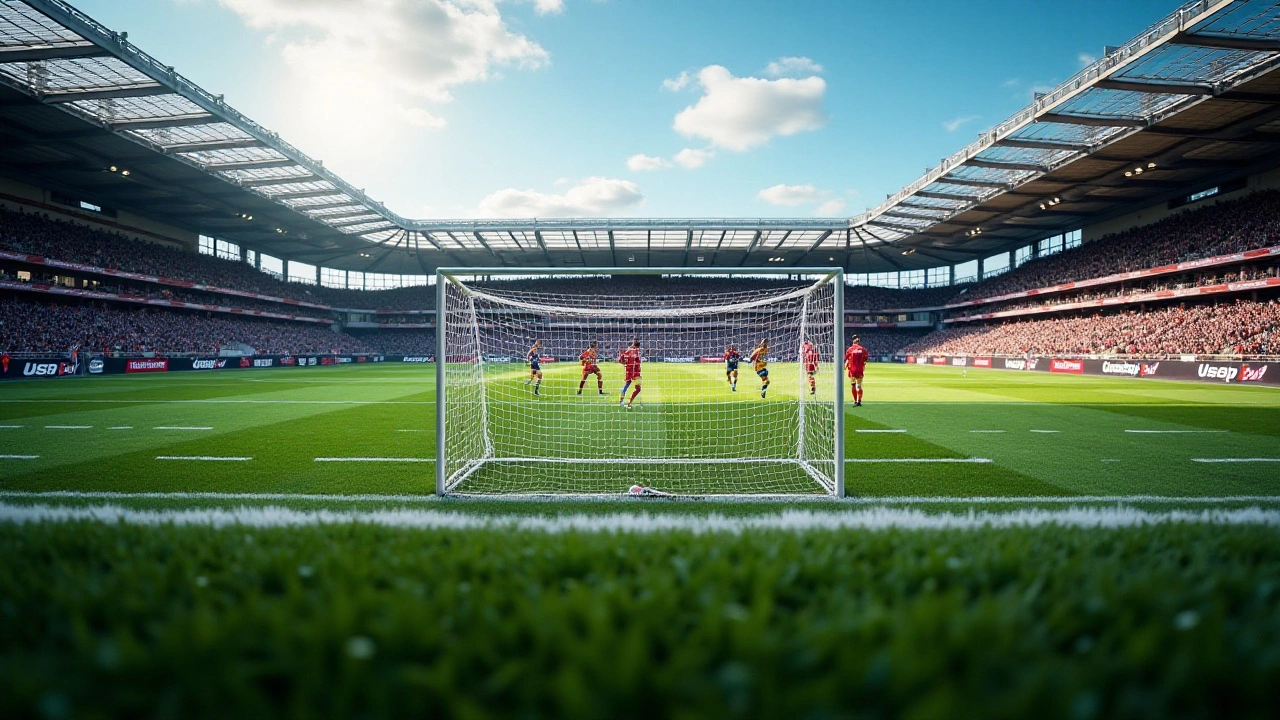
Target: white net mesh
{"x": 687, "y": 426}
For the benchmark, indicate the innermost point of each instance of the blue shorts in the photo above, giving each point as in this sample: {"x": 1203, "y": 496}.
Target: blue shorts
{"x": 763, "y": 372}
{"x": 534, "y": 365}
{"x": 731, "y": 367}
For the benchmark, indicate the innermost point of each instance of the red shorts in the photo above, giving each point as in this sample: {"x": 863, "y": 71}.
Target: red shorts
{"x": 588, "y": 369}
{"x": 633, "y": 376}
{"x": 856, "y": 374}
{"x": 811, "y": 369}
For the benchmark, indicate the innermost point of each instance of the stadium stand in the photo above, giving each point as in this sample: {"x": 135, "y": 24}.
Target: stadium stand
{"x": 1238, "y": 328}
{"x": 28, "y": 326}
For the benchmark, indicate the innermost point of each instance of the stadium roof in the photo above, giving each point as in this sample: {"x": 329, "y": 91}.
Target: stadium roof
{"x": 1190, "y": 102}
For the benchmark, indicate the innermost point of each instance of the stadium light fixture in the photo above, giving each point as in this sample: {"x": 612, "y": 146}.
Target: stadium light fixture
{"x": 124, "y": 173}
{"x": 113, "y": 168}
{"x": 909, "y": 251}
{"x": 1128, "y": 173}
{"x": 1150, "y": 165}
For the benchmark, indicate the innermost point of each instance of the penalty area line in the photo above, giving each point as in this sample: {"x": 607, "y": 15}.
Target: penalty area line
{"x": 204, "y": 458}
{"x": 178, "y": 427}
{"x": 917, "y": 460}
{"x": 19, "y": 457}
{"x": 376, "y": 459}
{"x": 1236, "y": 460}
{"x": 880, "y": 431}
{"x": 1174, "y": 432}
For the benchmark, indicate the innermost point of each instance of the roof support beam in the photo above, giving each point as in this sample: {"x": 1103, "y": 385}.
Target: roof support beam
{"x": 1003, "y": 165}
{"x": 688, "y": 243}
{"x": 301, "y": 194}
{"x": 28, "y": 54}
{"x": 613, "y": 250}
{"x": 267, "y": 182}
{"x": 155, "y": 123}
{"x": 1092, "y": 121}
{"x": 947, "y": 196}
{"x": 480, "y": 238}
{"x": 816, "y": 243}
{"x": 235, "y": 144}
{"x": 253, "y": 165}
{"x": 362, "y": 212}
{"x": 922, "y": 206}
{"x": 364, "y": 219}
{"x": 106, "y": 93}
{"x": 328, "y": 206}
{"x": 1154, "y": 87}
{"x": 911, "y": 216}
{"x": 785, "y": 235}
{"x": 1041, "y": 144}
{"x": 1225, "y": 43}
{"x": 537, "y": 235}
{"x": 891, "y": 226}
{"x": 973, "y": 183}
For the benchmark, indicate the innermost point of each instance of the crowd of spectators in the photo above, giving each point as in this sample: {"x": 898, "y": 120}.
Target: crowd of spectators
{"x": 1219, "y": 229}
{"x": 1236, "y": 328}
{"x": 38, "y": 326}
{"x": 416, "y": 341}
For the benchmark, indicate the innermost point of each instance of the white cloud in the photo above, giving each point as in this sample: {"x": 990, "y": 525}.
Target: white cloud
{"x": 678, "y": 82}
{"x": 643, "y": 163}
{"x": 828, "y": 204}
{"x": 1011, "y": 83}
{"x": 831, "y": 208}
{"x": 739, "y": 113}
{"x": 793, "y": 67}
{"x": 359, "y": 62}
{"x": 1086, "y": 59}
{"x": 693, "y": 159}
{"x": 791, "y": 195}
{"x": 548, "y": 7}
{"x": 956, "y": 123}
{"x": 592, "y": 197}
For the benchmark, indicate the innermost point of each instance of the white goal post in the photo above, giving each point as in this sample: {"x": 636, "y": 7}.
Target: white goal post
{"x": 684, "y": 425}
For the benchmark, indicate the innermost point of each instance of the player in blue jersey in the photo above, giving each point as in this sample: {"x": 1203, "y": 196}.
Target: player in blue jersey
{"x": 535, "y": 367}
{"x": 731, "y": 360}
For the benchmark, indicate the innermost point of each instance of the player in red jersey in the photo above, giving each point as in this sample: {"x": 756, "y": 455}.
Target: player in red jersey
{"x": 590, "y": 359}
{"x": 630, "y": 359}
{"x": 855, "y": 362}
{"x": 731, "y": 359}
{"x": 809, "y": 356}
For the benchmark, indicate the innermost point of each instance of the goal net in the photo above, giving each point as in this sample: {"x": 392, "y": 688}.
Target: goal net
{"x": 522, "y": 410}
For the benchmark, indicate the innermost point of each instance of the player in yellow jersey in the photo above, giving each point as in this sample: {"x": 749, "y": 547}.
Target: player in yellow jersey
{"x": 760, "y": 362}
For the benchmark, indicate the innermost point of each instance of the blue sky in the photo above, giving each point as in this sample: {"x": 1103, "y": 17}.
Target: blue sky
{"x": 646, "y": 108}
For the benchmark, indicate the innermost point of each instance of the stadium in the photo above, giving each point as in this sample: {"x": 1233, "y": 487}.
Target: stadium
{"x": 269, "y": 448}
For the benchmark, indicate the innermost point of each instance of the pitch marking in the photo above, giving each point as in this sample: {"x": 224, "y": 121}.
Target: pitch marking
{"x": 11, "y": 427}
{"x": 1174, "y": 432}
{"x": 988, "y": 432}
{"x": 1235, "y": 460}
{"x": 206, "y": 458}
{"x": 67, "y": 427}
{"x": 880, "y": 431}
{"x": 19, "y": 457}
{"x": 917, "y": 460}
{"x": 178, "y": 427}
{"x": 121, "y": 427}
{"x": 1047, "y": 432}
{"x": 376, "y": 459}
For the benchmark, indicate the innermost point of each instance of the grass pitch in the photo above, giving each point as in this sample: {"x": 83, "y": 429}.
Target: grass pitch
{"x": 1044, "y": 435}
{"x": 1093, "y": 568}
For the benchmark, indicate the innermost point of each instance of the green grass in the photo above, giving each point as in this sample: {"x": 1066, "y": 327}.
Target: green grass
{"x": 116, "y": 621}
{"x": 286, "y": 418}
{"x": 107, "y": 619}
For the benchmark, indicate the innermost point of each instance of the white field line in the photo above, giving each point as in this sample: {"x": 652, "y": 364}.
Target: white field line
{"x": 1047, "y": 432}
{"x": 375, "y": 460}
{"x": 1236, "y": 460}
{"x": 880, "y": 431}
{"x": 412, "y": 430}
{"x": 11, "y": 427}
{"x": 67, "y": 427}
{"x": 222, "y": 402}
{"x": 178, "y": 427}
{"x": 917, "y": 460}
{"x": 19, "y": 457}
{"x": 887, "y": 500}
{"x": 205, "y": 458}
{"x": 121, "y": 427}
{"x": 988, "y": 432}
{"x": 1175, "y": 432}
{"x": 870, "y": 519}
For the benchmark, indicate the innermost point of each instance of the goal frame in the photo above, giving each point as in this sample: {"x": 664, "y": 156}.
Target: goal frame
{"x": 835, "y": 275}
